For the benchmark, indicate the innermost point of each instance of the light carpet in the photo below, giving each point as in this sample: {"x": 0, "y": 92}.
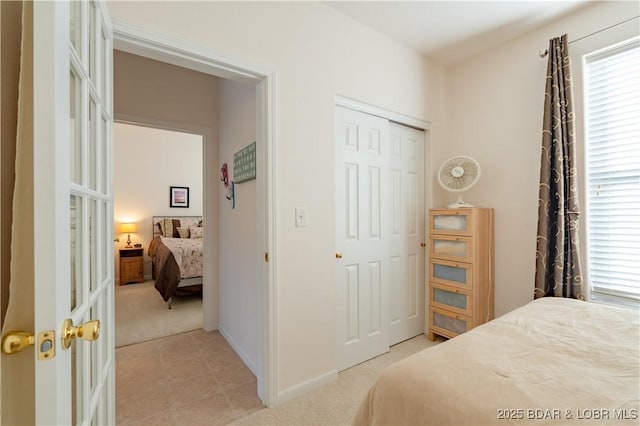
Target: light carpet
{"x": 337, "y": 402}
{"x": 142, "y": 315}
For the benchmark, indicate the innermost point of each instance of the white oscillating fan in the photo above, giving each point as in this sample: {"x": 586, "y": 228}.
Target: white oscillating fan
{"x": 458, "y": 174}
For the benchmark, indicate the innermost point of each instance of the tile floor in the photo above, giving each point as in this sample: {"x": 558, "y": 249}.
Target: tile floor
{"x": 193, "y": 378}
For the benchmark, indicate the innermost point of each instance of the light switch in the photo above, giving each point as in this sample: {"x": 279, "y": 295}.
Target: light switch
{"x": 301, "y": 217}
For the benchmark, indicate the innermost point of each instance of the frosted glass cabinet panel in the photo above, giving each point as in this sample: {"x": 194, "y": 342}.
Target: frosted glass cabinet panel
{"x": 447, "y": 323}
{"x": 454, "y": 221}
{"x": 451, "y": 298}
{"x": 445, "y": 297}
{"x": 450, "y": 273}
{"x": 449, "y": 247}
{"x": 444, "y": 222}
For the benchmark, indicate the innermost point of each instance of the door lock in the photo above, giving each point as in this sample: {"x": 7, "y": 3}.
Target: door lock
{"x": 17, "y": 341}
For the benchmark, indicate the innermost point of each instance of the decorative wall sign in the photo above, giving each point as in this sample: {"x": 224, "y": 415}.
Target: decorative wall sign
{"x": 244, "y": 164}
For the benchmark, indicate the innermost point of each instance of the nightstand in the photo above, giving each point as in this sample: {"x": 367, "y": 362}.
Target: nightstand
{"x": 131, "y": 265}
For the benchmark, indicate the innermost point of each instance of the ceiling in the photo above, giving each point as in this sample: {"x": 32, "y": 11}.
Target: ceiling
{"x": 451, "y": 31}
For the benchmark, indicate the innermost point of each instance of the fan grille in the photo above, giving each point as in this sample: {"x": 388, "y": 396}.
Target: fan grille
{"x": 458, "y": 173}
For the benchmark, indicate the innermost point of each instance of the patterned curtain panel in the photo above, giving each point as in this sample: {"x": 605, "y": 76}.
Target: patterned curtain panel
{"x": 557, "y": 255}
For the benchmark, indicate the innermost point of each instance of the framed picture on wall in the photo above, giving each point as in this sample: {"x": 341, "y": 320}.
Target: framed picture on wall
{"x": 178, "y": 196}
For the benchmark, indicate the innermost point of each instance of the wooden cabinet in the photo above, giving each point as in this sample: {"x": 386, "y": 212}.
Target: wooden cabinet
{"x": 460, "y": 270}
{"x": 131, "y": 266}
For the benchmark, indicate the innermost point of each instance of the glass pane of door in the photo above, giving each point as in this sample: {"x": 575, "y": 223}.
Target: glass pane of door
{"x": 94, "y": 281}
{"x": 76, "y": 249}
{"x": 93, "y": 144}
{"x": 75, "y": 126}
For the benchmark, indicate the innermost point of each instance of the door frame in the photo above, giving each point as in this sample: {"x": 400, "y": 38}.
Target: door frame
{"x": 158, "y": 47}
{"x": 393, "y": 116}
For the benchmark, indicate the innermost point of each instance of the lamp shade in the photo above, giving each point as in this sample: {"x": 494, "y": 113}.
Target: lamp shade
{"x": 127, "y": 227}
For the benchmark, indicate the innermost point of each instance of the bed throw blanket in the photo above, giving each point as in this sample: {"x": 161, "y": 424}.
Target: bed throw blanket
{"x": 553, "y": 361}
{"x": 166, "y": 270}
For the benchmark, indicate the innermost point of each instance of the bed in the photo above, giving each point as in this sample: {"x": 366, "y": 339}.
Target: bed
{"x": 176, "y": 255}
{"x": 552, "y": 361}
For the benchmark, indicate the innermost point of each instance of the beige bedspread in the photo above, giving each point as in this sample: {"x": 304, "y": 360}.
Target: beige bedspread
{"x": 552, "y": 361}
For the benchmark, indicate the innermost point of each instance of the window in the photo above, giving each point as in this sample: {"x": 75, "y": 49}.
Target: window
{"x": 612, "y": 101}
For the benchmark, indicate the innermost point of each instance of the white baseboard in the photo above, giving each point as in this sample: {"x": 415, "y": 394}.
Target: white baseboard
{"x": 241, "y": 353}
{"x": 305, "y": 387}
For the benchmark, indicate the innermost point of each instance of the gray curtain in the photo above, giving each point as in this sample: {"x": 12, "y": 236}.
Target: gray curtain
{"x": 557, "y": 253}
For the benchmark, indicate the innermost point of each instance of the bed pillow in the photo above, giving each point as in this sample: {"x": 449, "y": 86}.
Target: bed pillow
{"x": 195, "y": 232}
{"x": 189, "y": 222}
{"x": 176, "y": 225}
{"x": 169, "y": 228}
{"x": 183, "y": 232}
{"x": 163, "y": 227}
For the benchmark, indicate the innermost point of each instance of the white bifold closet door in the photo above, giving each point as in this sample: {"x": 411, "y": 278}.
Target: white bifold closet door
{"x": 408, "y": 252}
{"x": 379, "y": 230}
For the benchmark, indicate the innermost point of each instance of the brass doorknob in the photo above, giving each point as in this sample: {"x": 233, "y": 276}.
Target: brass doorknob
{"x": 423, "y": 244}
{"x": 338, "y": 255}
{"x": 90, "y": 330}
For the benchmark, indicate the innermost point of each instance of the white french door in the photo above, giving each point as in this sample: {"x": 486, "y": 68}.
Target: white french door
{"x": 379, "y": 235}
{"x": 73, "y": 211}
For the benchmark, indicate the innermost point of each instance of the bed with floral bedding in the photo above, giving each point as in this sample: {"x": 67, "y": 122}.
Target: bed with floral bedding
{"x": 176, "y": 255}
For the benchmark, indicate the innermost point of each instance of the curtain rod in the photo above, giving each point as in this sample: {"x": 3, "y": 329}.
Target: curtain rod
{"x": 545, "y": 52}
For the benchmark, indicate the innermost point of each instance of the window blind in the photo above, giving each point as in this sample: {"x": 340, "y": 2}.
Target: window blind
{"x": 612, "y": 83}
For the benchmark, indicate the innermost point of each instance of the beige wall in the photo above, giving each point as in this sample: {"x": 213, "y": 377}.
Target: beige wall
{"x": 317, "y": 54}
{"x": 156, "y": 91}
{"x": 495, "y": 111}
{"x": 238, "y": 274}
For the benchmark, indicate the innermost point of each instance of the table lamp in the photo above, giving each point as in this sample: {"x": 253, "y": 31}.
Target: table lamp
{"x": 128, "y": 228}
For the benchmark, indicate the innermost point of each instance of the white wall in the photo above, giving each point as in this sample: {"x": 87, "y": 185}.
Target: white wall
{"x": 495, "y": 112}
{"x": 147, "y": 162}
{"x": 317, "y": 53}
{"x": 238, "y": 275}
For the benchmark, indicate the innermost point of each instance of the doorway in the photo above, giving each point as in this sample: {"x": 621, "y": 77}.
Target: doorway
{"x": 145, "y": 167}
{"x": 139, "y": 43}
